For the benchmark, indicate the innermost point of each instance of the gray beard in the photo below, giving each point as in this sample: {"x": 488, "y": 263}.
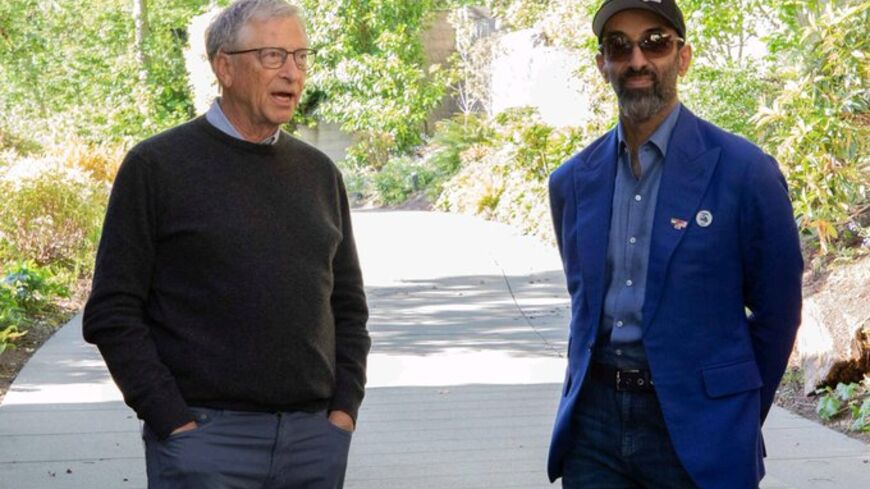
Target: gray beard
{"x": 641, "y": 105}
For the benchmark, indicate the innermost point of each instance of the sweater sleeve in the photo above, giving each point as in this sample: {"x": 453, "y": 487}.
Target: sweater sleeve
{"x": 352, "y": 342}
{"x": 115, "y": 318}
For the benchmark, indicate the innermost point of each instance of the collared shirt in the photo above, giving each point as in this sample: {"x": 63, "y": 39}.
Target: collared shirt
{"x": 631, "y": 222}
{"x": 216, "y": 117}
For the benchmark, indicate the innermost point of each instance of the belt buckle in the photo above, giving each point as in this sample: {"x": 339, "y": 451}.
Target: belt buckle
{"x": 632, "y": 381}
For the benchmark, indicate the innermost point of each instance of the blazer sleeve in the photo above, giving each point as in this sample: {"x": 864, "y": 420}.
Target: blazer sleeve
{"x": 559, "y": 179}
{"x": 772, "y": 272}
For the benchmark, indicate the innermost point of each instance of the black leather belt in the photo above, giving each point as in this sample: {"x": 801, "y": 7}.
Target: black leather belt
{"x": 623, "y": 380}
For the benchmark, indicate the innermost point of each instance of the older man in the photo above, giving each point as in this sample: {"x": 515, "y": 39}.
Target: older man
{"x": 227, "y": 299}
{"x": 670, "y": 229}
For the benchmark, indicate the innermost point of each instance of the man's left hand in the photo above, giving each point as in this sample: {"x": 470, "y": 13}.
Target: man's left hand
{"x": 342, "y": 420}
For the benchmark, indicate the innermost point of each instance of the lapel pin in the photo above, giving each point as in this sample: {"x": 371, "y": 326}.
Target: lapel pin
{"x": 678, "y": 224}
{"x": 704, "y": 218}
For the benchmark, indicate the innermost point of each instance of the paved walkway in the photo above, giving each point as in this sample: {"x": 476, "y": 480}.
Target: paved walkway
{"x": 469, "y": 325}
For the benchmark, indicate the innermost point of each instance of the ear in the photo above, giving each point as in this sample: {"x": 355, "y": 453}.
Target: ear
{"x": 222, "y": 66}
{"x": 599, "y": 60}
{"x": 685, "y": 59}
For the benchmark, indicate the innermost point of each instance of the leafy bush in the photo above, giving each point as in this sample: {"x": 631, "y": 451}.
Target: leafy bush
{"x": 818, "y": 126}
{"x": 372, "y": 70}
{"x": 726, "y": 95}
{"x": 400, "y": 178}
{"x": 26, "y": 291}
{"x": 32, "y": 287}
{"x": 51, "y": 218}
{"x": 851, "y": 398}
{"x": 452, "y": 137}
{"x": 73, "y": 67}
{"x": 11, "y": 316}
{"x": 100, "y": 161}
{"x": 504, "y": 177}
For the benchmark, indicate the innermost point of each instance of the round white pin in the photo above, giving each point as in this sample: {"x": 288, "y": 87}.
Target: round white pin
{"x": 704, "y": 218}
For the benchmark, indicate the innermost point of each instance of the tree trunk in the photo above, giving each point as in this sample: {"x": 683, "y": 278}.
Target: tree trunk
{"x": 140, "y": 20}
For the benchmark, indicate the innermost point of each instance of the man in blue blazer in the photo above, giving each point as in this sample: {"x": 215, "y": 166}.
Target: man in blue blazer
{"x": 684, "y": 268}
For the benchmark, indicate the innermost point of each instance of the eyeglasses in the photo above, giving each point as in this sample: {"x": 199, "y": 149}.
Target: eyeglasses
{"x": 274, "y": 58}
{"x": 617, "y": 47}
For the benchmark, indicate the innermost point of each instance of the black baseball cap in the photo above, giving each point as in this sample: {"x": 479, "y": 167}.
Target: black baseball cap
{"x": 667, "y": 9}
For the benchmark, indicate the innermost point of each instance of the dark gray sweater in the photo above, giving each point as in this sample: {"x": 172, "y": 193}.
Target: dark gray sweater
{"x": 227, "y": 277}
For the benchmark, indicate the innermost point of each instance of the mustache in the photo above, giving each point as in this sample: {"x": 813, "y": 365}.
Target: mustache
{"x": 634, "y": 73}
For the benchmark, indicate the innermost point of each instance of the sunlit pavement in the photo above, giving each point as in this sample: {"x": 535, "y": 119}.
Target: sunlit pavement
{"x": 468, "y": 322}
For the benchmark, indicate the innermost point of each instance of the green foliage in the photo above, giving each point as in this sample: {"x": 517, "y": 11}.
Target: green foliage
{"x": 52, "y": 218}
{"x": 519, "y": 14}
{"x": 10, "y": 316}
{"x": 722, "y": 31}
{"x": 853, "y": 399}
{"x": 26, "y": 291}
{"x": 400, "y": 178}
{"x": 451, "y": 138}
{"x": 33, "y": 287}
{"x": 70, "y": 67}
{"x": 725, "y": 95}
{"x": 504, "y": 176}
{"x": 370, "y": 67}
{"x": 818, "y": 126}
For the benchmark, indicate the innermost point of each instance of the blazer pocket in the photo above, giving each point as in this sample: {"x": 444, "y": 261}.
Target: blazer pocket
{"x": 725, "y": 380}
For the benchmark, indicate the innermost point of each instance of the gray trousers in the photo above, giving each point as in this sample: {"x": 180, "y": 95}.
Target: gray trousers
{"x": 246, "y": 450}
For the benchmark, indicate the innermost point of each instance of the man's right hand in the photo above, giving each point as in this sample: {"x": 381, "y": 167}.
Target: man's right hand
{"x": 190, "y": 425}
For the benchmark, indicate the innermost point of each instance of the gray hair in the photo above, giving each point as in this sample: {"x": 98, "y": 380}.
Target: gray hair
{"x": 223, "y": 32}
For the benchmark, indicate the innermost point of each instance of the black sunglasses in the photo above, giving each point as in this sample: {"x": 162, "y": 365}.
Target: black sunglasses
{"x": 618, "y": 47}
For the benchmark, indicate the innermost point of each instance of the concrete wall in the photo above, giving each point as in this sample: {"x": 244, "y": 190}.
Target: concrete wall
{"x": 439, "y": 43}
{"x": 327, "y": 137}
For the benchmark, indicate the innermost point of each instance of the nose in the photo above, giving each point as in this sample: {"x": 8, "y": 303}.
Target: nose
{"x": 289, "y": 70}
{"x": 638, "y": 59}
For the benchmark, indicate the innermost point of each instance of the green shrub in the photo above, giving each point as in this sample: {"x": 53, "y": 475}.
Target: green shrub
{"x": 818, "y": 125}
{"x": 504, "y": 177}
{"x": 11, "y": 316}
{"x": 400, "y": 178}
{"x": 725, "y": 95}
{"x": 452, "y": 137}
{"x": 52, "y": 218}
{"x": 26, "y": 292}
{"x": 853, "y": 399}
{"x": 33, "y": 287}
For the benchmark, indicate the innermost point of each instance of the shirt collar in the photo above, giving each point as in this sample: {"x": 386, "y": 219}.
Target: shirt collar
{"x": 218, "y": 119}
{"x": 660, "y": 137}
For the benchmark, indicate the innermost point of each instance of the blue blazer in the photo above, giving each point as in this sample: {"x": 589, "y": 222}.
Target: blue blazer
{"x": 722, "y": 302}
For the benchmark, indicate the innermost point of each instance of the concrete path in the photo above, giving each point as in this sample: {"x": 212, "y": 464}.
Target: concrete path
{"x": 469, "y": 325}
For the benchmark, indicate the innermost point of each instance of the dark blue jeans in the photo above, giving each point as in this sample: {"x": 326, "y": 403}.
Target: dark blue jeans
{"x": 244, "y": 450}
{"x": 622, "y": 443}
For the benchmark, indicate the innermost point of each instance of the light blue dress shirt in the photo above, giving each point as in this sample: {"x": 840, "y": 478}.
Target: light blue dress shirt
{"x": 631, "y": 222}
{"x": 216, "y": 117}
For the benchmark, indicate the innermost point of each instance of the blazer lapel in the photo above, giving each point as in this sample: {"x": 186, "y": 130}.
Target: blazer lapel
{"x": 593, "y": 188}
{"x": 688, "y": 168}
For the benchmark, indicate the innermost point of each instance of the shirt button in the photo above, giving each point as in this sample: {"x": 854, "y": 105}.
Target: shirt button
{"x": 632, "y": 240}
{"x": 619, "y": 324}
{"x": 629, "y": 283}
{"x": 637, "y": 197}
